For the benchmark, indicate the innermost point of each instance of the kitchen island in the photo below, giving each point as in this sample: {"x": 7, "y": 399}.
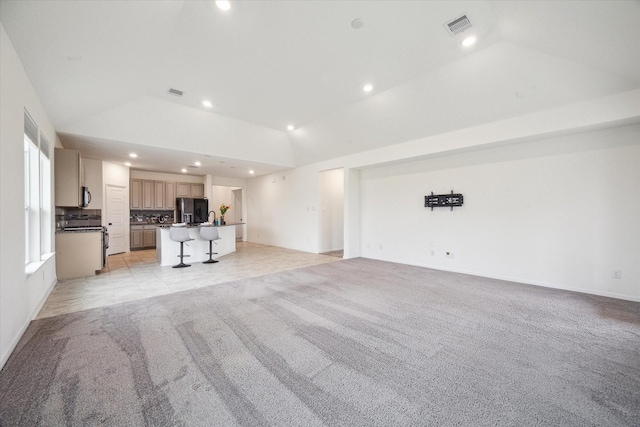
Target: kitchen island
{"x": 168, "y": 251}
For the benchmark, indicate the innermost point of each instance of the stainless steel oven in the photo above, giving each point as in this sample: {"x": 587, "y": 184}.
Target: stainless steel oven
{"x": 105, "y": 245}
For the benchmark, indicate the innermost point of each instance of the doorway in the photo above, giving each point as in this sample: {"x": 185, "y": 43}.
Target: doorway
{"x": 237, "y": 214}
{"x": 331, "y": 239}
{"x": 230, "y": 196}
{"x": 116, "y": 226}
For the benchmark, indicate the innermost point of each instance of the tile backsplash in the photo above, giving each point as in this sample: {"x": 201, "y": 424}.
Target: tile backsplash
{"x": 76, "y": 217}
{"x": 151, "y": 216}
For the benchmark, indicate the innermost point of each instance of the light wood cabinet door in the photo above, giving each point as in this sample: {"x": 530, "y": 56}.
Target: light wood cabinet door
{"x": 78, "y": 254}
{"x": 135, "y": 189}
{"x": 136, "y": 238}
{"x": 67, "y": 165}
{"x": 197, "y": 191}
{"x": 159, "y": 194}
{"x": 183, "y": 189}
{"x": 148, "y": 194}
{"x": 149, "y": 237}
{"x": 169, "y": 195}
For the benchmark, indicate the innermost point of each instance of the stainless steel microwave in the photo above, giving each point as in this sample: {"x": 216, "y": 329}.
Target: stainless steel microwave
{"x": 85, "y": 197}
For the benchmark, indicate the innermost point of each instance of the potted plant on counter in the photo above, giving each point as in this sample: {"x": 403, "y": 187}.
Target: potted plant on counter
{"x": 223, "y": 210}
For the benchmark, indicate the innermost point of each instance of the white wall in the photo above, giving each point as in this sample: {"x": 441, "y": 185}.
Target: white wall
{"x": 282, "y": 209}
{"x": 169, "y": 177}
{"x": 562, "y": 212}
{"x": 331, "y": 210}
{"x": 20, "y": 296}
{"x": 221, "y": 194}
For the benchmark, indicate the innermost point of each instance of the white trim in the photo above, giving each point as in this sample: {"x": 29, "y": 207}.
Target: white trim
{"x": 520, "y": 281}
{"x": 32, "y": 316}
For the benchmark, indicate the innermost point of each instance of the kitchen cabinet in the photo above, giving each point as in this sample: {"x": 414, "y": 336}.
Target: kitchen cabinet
{"x": 149, "y": 237}
{"x": 136, "y": 236}
{"x": 153, "y": 195}
{"x": 169, "y": 195}
{"x": 148, "y": 194}
{"x": 78, "y": 254}
{"x": 93, "y": 181}
{"x": 183, "y": 189}
{"x": 143, "y": 236}
{"x": 68, "y": 177}
{"x": 136, "y": 194}
{"x": 159, "y": 187}
{"x": 190, "y": 189}
{"x": 197, "y": 191}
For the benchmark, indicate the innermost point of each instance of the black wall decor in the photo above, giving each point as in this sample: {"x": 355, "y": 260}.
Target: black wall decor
{"x": 443, "y": 200}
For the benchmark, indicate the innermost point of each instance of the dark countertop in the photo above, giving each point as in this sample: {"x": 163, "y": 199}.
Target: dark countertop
{"x": 77, "y": 231}
{"x": 148, "y": 223}
{"x": 198, "y": 225}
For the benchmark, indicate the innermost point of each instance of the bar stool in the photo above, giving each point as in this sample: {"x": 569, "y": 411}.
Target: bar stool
{"x": 180, "y": 233}
{"x": 207, "y": 232}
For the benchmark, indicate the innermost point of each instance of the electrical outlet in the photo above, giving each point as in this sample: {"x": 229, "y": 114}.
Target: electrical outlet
{"x": 380, "y": 247}
{"x": 616, "y": 274}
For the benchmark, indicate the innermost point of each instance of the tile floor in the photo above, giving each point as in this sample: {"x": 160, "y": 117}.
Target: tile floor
{"x": 136, "y": 275}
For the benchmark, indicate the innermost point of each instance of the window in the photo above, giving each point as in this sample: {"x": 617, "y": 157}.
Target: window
{"x": 37, "y": 193}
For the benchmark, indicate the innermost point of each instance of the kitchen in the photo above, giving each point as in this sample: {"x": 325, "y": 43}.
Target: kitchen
{"x": 91, "y": 223}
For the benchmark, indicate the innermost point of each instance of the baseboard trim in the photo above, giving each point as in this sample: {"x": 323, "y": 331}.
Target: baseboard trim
{"x": 524, "y": 282}
{"x": 23, "y": 329}
{"x": 14, "y": 343}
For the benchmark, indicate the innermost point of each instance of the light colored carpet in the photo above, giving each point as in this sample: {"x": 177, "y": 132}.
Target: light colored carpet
{"x": 350, "y": 343}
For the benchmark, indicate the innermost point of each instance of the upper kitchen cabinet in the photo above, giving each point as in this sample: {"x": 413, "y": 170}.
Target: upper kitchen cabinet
{"x": 142, "y": 194}
{"x": 135, "y": 189}
{"x": 158, "y": 187}
{"x": 187, "y": 189}
{"x": 183, "y": 189}
{"x": 69, "y": 177}
{"x": 148, "y": 194}
{"x": 152, "y": 195}
{"x": 93, "y": 181}
{"x": 197, "y": 191}
{"x": 170, "y": 195}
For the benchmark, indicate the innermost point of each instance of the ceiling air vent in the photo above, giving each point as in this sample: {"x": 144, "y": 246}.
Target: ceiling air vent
{"x": 458, "y": 25}
{"x": 173, "y": 91}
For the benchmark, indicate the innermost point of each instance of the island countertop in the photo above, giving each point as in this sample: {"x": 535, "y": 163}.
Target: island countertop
{"x": 197, "y": 248}
{"x": 200, "y": 225}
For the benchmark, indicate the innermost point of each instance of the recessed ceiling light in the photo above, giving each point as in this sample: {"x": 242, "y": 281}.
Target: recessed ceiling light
{"x": 183, "y": 170}
{"x": 223, "y": 4}
{"x": 207, "y": 104}
{"x": 127, "y": 163}
{"x": 133, "y": 155}
{"x": 469, "y": 41}
{"x": 251, "y": 171}
{"x": 368, "y": 87}
{"x": 197, "y": 163}
{"x": 290, "y": 127}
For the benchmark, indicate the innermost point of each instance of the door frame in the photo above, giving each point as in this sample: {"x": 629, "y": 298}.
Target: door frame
{"x": 125, "y": 213}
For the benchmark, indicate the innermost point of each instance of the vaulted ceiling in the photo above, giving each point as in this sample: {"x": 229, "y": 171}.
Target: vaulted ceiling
{"x": 103, "y": 70}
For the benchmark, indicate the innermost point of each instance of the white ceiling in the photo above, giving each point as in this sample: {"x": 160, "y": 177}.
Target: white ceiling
{"x": 103, "y": 69}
